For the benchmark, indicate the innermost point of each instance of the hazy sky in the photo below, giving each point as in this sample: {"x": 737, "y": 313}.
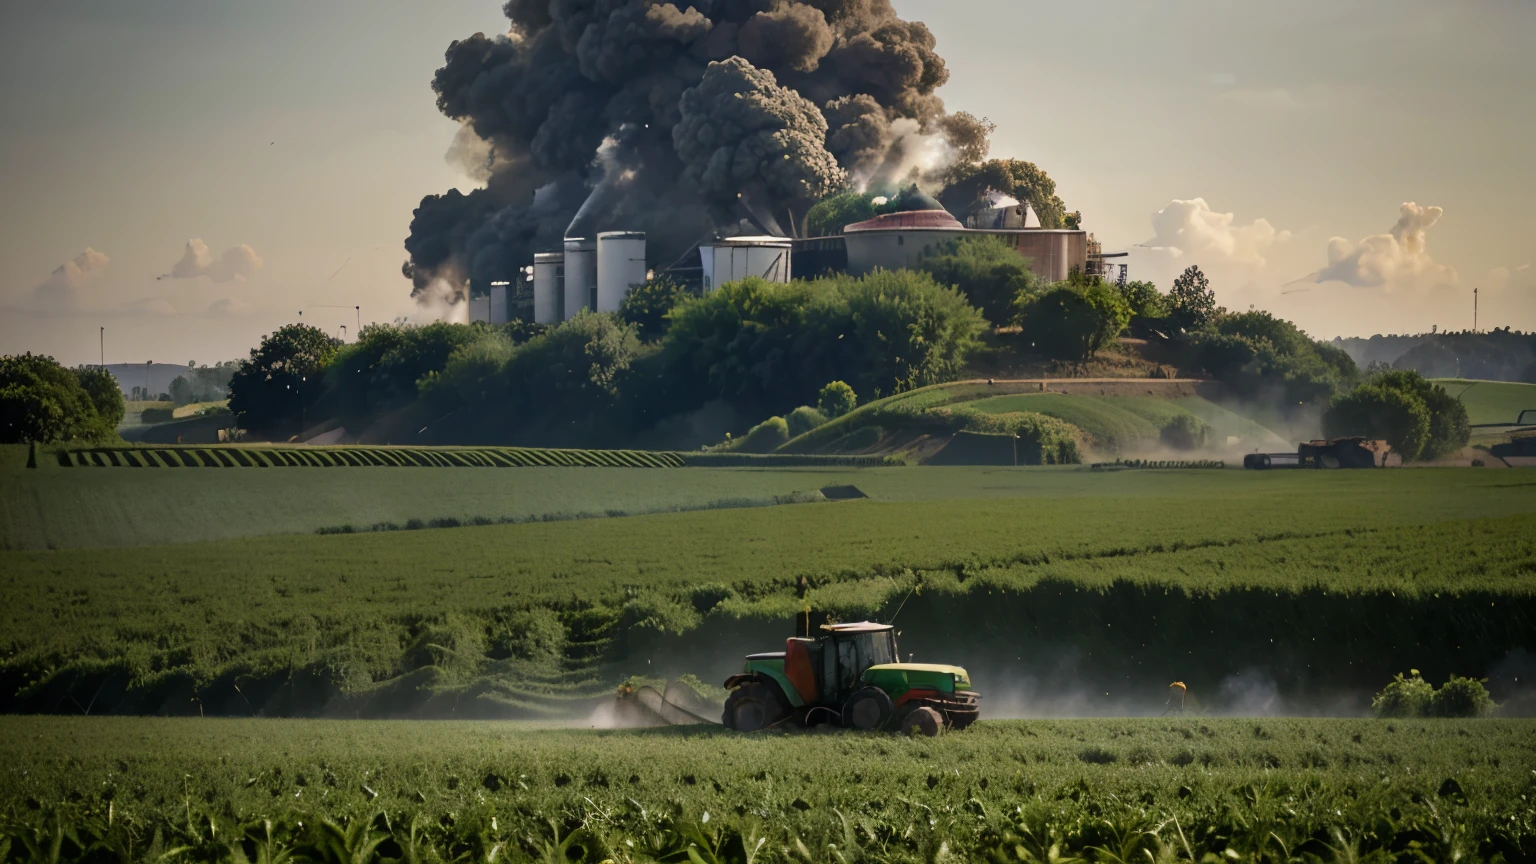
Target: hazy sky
{"x": 292, "y": 139}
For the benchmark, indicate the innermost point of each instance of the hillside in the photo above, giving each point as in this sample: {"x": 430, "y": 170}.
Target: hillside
{"x": 1492, "y": 403}
{"x": 1101, "y": 416}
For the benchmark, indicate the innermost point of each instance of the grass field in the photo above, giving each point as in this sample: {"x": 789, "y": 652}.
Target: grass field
{"x": 1107, "y": 790}
{"x": 1490, "y": 402}
{"x": 1115, "y": 424}
{"x": 1152, "y": 564}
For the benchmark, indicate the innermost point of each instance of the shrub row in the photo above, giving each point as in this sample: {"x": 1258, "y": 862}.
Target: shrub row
{"x": 360, "y": 457}
{"x": 1158, "y": 463}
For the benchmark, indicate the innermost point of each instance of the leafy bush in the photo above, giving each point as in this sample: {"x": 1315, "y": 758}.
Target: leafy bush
{"x": 829, "y": 215}
{"x": 990, "y": 273}
{"x": 1415, "y": 697}
{"x": 1071, "y": 321}
{"x": 42, "y": 401}
{"x": 836, "y": 399}
{"x": 1404, "y": 697}
{"x": 1259, "y": 357}
{"x": 1461, "y": 697}
{"x": 804, "y": 419}
{"x": 649, "y": 306}
{"x": 1419, "y": 419}
{"x": 1185, "y": 432}
{"x": 765, "y": 437}
{"x": 272, "y": 389}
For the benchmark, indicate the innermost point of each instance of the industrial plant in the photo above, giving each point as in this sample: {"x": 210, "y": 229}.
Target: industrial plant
{"x": 597, "y": 273}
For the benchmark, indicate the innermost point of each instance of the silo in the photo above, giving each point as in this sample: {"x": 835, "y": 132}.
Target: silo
{"x": 498, "y": 314}
{"x": 737, "y": 258}
{"x": 580, "y": 275}
{"x": 620, "y": 266}
{"x": 548, "y": 283}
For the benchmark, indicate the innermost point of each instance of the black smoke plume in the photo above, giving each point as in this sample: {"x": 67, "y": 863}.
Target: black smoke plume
{"x": 675, "y": 118}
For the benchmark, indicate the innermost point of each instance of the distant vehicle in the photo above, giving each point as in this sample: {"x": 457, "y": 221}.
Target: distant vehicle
{"x": 1357, "y": 452}
{"x": 851, "y": 676}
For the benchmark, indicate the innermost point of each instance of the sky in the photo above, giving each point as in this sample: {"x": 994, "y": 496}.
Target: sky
{"x": 191, "y": 175}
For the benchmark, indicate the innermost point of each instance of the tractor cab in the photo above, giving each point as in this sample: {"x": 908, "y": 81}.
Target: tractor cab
{"x": 850, "y": 675}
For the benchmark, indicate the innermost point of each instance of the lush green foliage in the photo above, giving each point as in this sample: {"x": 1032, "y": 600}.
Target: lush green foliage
{"x": 1261, "y": 358}
{"x": 1071, "y": 321}
{"x": 1185, "y": 432}
{"x": 828, "y": 216}
{"x": 769, "y": 348}
{"x": 272, "y": 391}
{"x": 803, "y": 419}
{"x": 765, "y": 437}
{"x": 1190, "y": 302}
{"x": 1177, "y": 789}
{"x": 987, "y": 270}
{"x": 1015, "y": 177}
{"x": 42, "y": 401}
{"x": 379, "y": 372}
{"x": 1417, "y": 417}
{"x": 1144, "y": 300}
{"x": 648, "y": 307}
{"x": 836, "y": 399}
{"x": 1412, "y": 696}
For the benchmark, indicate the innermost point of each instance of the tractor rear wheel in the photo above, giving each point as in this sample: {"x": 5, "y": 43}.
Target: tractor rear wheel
{"x": 752, "y": 707}
{"x": 869, "y": 708}
{"x": 922, "y": 721}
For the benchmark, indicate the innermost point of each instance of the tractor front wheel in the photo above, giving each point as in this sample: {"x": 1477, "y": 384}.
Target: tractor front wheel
{"x": 922, "y": 721}
{"x": 753, "y": 707}
{"x": 868, "y": 709}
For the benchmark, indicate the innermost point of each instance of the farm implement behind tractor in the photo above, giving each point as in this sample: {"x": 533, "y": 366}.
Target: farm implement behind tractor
{"x": 850, "y": 676}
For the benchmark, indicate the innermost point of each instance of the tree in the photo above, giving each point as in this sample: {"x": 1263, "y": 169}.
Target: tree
{"x": 828, "y": 216}
{"x": 1072, "y": 321}
{"x": 1446, "y": 430}
{"x": 988, "y": 271}
{"x": 1191, "y": 302}
{"x": 1022, "y": 180}
{"x": 1144, "y": 300}
{"x": 106, "y": 396}
{"x": 42, "y": 401}
{"x": 836, "y": 399}
{"x": 1397, "y": 417}
{"x": 649, "y": 307}
{"x": 274, "y": 388}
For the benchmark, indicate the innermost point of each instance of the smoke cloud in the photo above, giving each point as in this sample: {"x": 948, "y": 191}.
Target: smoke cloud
{"x": 235, "y": 263}
{"x": 1397, "y": 260}
{"x": 674, "y": 118}
{"x": 61, "y": 291}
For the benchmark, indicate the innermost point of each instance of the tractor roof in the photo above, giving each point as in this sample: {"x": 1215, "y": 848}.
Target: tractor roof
{"x": 856, "y": 627}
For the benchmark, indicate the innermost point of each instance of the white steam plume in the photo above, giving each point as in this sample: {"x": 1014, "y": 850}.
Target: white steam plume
{"x": 1397, "y": 260}
{"x": 1190, "y": 231}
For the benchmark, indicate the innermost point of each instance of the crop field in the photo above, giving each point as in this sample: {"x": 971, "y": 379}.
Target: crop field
{"x": 1493, "y": 402}
{"x": 1346, "y": 578}
{"x": 1172, "y": 789}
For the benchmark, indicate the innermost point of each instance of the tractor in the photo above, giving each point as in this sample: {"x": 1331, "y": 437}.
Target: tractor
{"x": 851, "y": 676}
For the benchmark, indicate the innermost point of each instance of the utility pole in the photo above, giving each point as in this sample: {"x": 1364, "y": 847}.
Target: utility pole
{"x": 1474, "y": 310}
{"x": 359, "y": 318}
{"x": 103, "y": 347}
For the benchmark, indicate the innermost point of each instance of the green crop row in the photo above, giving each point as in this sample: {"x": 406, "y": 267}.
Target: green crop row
{"x": 1091, "y": 791}
{"x": 1159, "y": 464}
{"x": 360, "y": 457}
{"x": 432, "y": 457}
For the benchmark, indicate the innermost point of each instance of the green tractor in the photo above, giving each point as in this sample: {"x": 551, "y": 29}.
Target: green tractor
{"x": 852, "y": 676}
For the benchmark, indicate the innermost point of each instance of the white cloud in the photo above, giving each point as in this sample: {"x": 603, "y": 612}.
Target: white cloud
{"x": 235, "y": 263}
{"x": 1191, "y": 231}
{"x": 1519, "y": 281}
{"x": 1397, "y": 260}
{"x": 229, "y": 307}
{"x": 61, "y": 291}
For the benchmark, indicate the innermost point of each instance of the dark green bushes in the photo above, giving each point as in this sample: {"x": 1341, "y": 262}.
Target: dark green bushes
{"x": 1418, "y": 418}
{"x": 42, "y": 401}
{"x": 1412, "y": 696}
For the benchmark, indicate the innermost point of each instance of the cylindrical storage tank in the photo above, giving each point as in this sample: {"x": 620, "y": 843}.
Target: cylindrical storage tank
{"x": 498, "y": 304}
{"x": 548, "y": 276}
{"x": 620, "y": 266}
{"x": 740, "y": 257}
{"x": 580, "y": 275}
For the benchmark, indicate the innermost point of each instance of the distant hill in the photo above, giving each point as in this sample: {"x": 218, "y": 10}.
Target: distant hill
{"x": 156, "y": 376}
{"x": 1497, "y": 355}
